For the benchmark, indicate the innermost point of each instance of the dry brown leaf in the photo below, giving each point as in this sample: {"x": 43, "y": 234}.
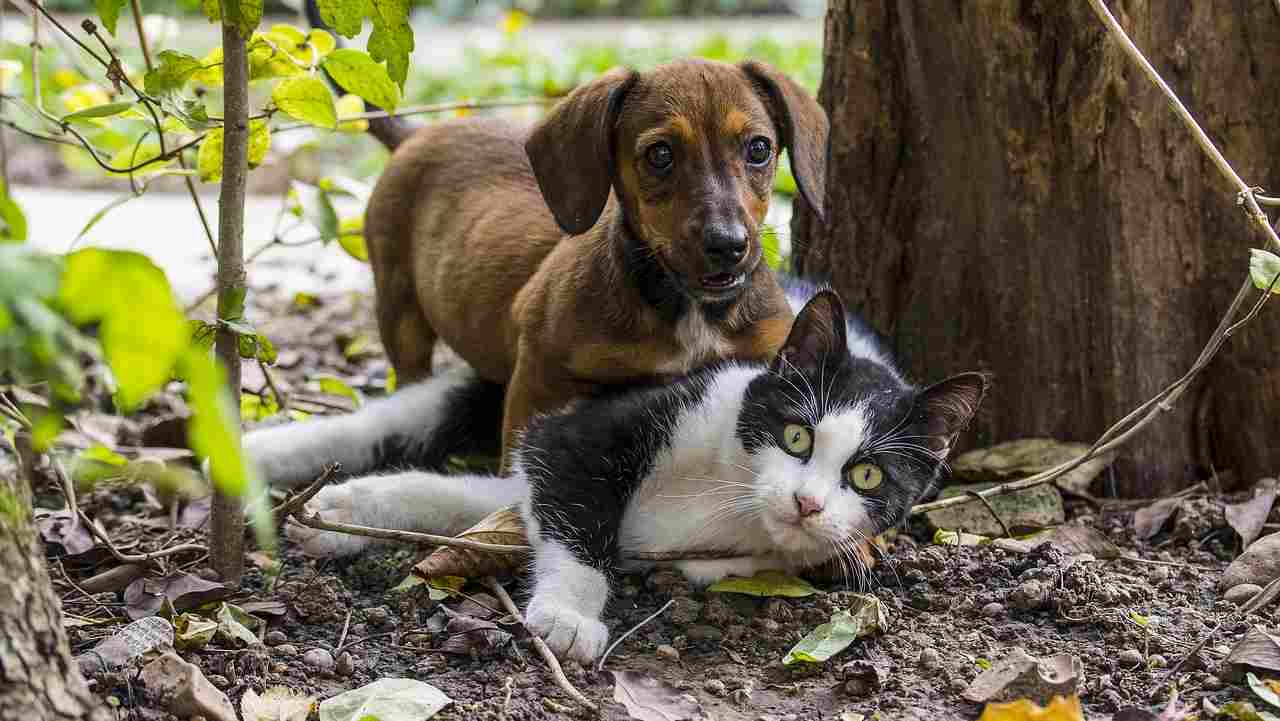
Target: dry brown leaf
{"x": 1148, "y": 521}
{"x": 1027, "y": 456}
{"x": 503, "y": 526}
{"x": 65, "y": 529}
{"x": 1258, "y": 651}
{"x": 144, "y": 596}
{"x": 648, "y": 699}
{"x": 1249, "y": 517}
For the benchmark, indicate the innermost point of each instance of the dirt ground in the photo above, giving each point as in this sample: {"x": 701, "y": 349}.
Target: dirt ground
{"x": 951, "y": 609}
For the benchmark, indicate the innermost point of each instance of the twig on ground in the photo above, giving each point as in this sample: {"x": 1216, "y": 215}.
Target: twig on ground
{"x": 294, "y": 503}
{"x": 66, "y": 577}
{"x": 1194, "y": 650}
{"x": 346, "y": 626}
{"x": 101, "y": 535}
{"x": 282, "y": 401}
{"x": 633, "y": 629}
{"x": 1004, "y": 527}
{"x": 422, "y": 539}
{"x": 543, "y": 650}
{"x": 1263, "y": 598}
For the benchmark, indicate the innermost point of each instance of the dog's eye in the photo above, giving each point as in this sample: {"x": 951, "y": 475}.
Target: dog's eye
{"x": 659, "y": 156}
{"x": 759, "y": 150}
{"x": 797, "y": 440}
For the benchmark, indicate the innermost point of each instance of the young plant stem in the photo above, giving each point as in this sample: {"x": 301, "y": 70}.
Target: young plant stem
{"x": 226, "y": 519}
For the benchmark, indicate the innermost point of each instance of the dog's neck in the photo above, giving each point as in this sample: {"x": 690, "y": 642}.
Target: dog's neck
{"x": 645, "y": 274}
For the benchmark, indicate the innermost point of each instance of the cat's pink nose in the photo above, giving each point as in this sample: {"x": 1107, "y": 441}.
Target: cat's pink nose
{"x": 808, "y": 505}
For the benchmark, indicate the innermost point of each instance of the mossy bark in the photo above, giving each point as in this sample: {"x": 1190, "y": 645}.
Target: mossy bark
{"x": 1006, "y": 192}
{"x": 38, "y": 678}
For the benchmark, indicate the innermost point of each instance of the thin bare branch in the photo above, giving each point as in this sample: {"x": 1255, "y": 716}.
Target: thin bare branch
{"x": 430, "y": 109}
{"x": 543, "y": 650}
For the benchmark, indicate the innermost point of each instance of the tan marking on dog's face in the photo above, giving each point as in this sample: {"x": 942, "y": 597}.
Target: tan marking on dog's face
{"x": 703, "y": 116}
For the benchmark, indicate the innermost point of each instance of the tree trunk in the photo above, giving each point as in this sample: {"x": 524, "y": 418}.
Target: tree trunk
{"x": 38, "y": 679}
{"x": 1007, "y": 192}
{"x": 226, "y": 516}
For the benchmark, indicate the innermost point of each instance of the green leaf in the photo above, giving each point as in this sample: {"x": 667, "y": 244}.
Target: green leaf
{"x": 1244, "y": 711}
{"x": 351, "y": 238}
{"x": 317, "y": 209}
{"x": 234, "y": 625}
{"x": 259, "y": 142}
{"x": 192, "y": 631}
{"x": 1266, "y": 690}
{"x": 772, "y": 250}
{"x": 356, "y": 72}
{"x": 244, "y": 14}
{"x": 134, "y": 155}
{"x": 143, "y": 332}
{"x": 101, "y": 454}
{"x": 13, "y": 222}
{"x": 391, "y": 381}
{"x": 783, "y": 181}
{"x": 346, "y": 17}
{"x": 254, "y": 408}
{"x": 943, "y": 537}
{"x": 392, "y": 38}
{"x": 171, "y": 73}
{"x": 338, "y": 387}
{"x": 209, "y": 157}
{"x": 98, "y": 111}
{"x": 388, "y": 699}
{"x": 1263, "y": 267}
{"x": 348, "y": 106}
{"x": 308, "y": 99}
{"x": 109, "y": 11}
{"x": 765, "y": 584}
{"x": 864, "y": 617}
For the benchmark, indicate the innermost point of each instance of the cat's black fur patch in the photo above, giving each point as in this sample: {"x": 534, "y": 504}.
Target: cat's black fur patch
{"x": 470, "y": 422}
{"x": 583, "y": 470}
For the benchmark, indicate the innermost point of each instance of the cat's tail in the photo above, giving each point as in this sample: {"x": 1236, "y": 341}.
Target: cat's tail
{"x": 417, "y": 427}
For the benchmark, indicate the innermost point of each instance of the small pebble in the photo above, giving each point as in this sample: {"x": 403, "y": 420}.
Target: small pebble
{"x": 741, "y": 697}
{"x": 275, "y": 638}
{"x": 346, "y": 664}
{"x": 668, "y": 652}
{"x": 768, "y": 625}
{"x": 279, "y": 668}
{"x": 715, "y": 687}
{"x": 1213, "y": 683}
{"x": 1157, "y": 661}
{"x": 858, "y": 687}
{"x": 319, "y": 659}
{"x": 929, "y": 659}
{"x": 1030, "y": 595}
{"x": 1159, "y": 574}
{"x": 1242, "y": 593}
{"x": 377, "y": 616}
{"x": 1130, "y": 657}
{"x": 286, "y": 649}
{"x": 992, "y": 609}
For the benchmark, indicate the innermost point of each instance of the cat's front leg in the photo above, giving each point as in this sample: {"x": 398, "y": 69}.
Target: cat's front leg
{"x": 569, "y": 597}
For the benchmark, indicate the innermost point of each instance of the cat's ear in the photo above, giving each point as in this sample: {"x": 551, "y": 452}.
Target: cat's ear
{"x": 946, "y": 407}
{"x": 819, "y": 330}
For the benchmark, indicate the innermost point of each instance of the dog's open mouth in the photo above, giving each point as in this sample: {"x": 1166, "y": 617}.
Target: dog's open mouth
{"x": 717, "y": 283}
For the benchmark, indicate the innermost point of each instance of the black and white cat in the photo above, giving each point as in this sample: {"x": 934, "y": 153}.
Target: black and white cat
{"x": 783, "y": 466}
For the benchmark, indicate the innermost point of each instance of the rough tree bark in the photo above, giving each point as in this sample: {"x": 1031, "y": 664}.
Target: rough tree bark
{"x": 1006, "y": 192}
{"x": 38, "y": 679}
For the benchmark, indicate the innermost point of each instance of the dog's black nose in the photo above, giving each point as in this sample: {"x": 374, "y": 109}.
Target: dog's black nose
{"x": 724, "y": 244}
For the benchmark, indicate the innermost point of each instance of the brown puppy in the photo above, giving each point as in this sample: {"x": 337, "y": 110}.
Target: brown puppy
{"x": 664, "y": 177}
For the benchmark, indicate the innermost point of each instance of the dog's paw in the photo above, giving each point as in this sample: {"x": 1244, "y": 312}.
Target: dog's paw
{"x": 570, "y": 634}
{"x": 336, "y": 504}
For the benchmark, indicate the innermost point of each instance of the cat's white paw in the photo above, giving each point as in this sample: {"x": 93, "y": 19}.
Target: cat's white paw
{"x": 569, "y": 633}
{"x": 336, "y": 504}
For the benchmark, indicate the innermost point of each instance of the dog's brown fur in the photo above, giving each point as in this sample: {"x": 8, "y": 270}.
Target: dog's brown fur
{"x": 467, "y": 233}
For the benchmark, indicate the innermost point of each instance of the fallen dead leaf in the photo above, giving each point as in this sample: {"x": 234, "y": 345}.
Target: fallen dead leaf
{"x": 1027, "y": 456}
{"x": 64, "y": 529}
{"x": 192, "y": 631}
{"x": 764, "y": 584}
{"x": 1149, "y": 521}
{"x": 1249, "y": 517}
{"x": 865, "y": 616}
{"x": 503, "y": 527}
{"x": 1258, "y": 652}
{"x": 1059, "y": 709}
{"x": 131, "y": 642}
{"x": 1021, "y": 676}
{"x": 277, "y": 703}
{"x": 145, "y": 596}
{"x": 469, "y": 636}
{"x": 1265, "y": 689}
{"x": 1243, "y": 711}
{"x": 387, "y": 699}
{"x": 648, "y": 699}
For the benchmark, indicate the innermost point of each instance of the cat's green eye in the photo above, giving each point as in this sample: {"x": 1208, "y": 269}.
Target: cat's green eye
{"x": 865, "y": 476}
{"x": 796, "y": 439}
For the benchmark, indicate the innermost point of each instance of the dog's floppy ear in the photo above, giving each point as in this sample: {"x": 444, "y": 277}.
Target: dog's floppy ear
{"x": 803, "y": 125}
{"x": 571, "y": 150}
